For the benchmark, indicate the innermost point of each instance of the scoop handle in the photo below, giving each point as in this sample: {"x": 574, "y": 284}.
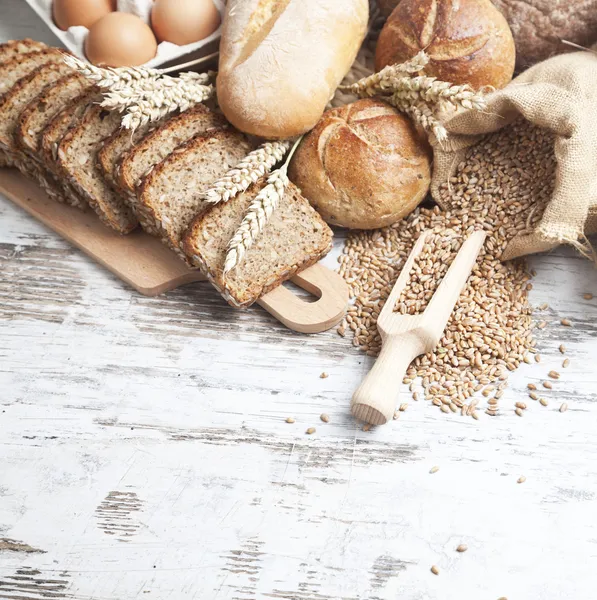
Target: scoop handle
{"x": 376, "y": 398}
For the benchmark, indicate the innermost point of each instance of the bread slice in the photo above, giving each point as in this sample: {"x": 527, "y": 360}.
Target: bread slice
{"x": 12, "y": 70}
{"x": 160, "y": 143}
{"x": 170, "y": 196}
{"x": 38, "y": 113}
{"x": 77, "y": 154}
{"x": 19, "y": 66}
{"x": 27, "y": 89}
{"x": 295, "y": 238}
{"x": 117, "y": 145}
{"x": 61, "y": 124}
{"x": 14, "y": 48}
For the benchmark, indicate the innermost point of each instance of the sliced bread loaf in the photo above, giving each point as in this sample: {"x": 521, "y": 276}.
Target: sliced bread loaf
{"x": 170, "y": 196}
{"x": 38, "y": 114}
{"x": 161, "y": 142}
{"x": 77, "y": 154}
{"x": 295, "y": 238}
{"x": 14, "y": 48}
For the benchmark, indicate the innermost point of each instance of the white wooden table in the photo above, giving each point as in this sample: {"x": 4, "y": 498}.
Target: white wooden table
{"x": 144, "y": 451}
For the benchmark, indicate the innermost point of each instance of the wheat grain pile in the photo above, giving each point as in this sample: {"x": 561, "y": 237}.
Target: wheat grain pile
{"x": 502, "y": 187}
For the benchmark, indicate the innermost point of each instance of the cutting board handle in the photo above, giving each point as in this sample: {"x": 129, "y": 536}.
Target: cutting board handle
{"x": 310, "y": 317}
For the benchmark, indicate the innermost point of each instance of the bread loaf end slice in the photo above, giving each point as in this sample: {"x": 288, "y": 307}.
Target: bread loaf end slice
{"x": 170, "y": 197}
{"x": 20, "y": 66}
{"x": 295, "y": 238}
{"x": 77, "y": 154}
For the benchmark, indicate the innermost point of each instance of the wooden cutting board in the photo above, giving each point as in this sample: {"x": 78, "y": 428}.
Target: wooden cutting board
{"x": 151, "y": 268}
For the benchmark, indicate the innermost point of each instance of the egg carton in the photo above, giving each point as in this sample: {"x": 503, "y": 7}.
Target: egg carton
{"x": 168, "y": 54}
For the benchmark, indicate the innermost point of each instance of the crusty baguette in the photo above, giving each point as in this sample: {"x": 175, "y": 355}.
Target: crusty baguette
{"x": 171, "y": 195}
{"x": 77, "y": 154}
{"x": 295, "y": 238}
{"x": 282, "y": 60}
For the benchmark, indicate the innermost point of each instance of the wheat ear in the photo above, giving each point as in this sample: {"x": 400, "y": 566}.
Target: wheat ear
{"x": 110, "y": 77}
{"x": 422, "y": 114}
{"x": 382, "y": 82}
{"x": 258, "y": 214}
{"x": 254, "y": 166}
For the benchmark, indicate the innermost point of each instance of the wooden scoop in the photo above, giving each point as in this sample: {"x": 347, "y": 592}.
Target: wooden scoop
{"x": 404, "y": 337}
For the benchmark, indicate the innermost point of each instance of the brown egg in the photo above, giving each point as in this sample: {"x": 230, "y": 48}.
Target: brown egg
{"x": 120, "y": 40}
{"x": 184, "y": 21}
{"x": 68, "y": 13}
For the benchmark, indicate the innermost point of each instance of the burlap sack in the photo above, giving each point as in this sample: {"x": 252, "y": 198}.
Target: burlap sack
{"x": 559, "y": 94}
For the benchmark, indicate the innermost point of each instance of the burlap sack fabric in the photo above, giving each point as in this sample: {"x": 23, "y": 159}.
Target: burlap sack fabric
{"x": 559, "y": 94}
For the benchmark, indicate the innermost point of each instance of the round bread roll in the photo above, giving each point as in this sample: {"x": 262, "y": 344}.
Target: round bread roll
{"x": 539, "y": 25}
{"x": 363, "y": 166}
{"x": 468, "y": 41}
{"x": 387, "y": 6}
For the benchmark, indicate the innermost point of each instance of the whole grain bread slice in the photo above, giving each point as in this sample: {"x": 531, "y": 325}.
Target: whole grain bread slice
{"x": 170, "y": 196}
{"x": 40, "y": 112}
{"x": 77, "y": 155}
{"x": 23, "y": 64}
{"x": 14, "y": 48}
{"x": 295, "y": 238}
{"x": 62, "y": 123}
{"x": 161, "y": 142}
{"x": 116, "y": 146}
{"x": 26, "y": 90}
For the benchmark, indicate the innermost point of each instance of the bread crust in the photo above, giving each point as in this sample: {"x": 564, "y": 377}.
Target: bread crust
{"x": 363, "y": 166}
{"x": 468, "y": 41}
{"x": 282, "y": 60}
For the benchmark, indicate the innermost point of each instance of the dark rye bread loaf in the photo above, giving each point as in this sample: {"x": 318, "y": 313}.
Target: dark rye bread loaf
{"x": 295, "y": 238}
{"x": 77, "y": 154}
{"x": 160, "y": 143}
{"x": 14, "y": 48}
{"x": 38, "y": 113}
{"x": 171, "y": 195}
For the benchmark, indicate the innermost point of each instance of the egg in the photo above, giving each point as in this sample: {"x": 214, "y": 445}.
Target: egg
{"x": 120, "y": 40}
{"x": 184, "y": 21}
{"x": 68, "y": 13}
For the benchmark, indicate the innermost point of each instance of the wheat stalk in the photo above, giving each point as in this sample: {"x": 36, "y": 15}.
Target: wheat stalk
{"x": 259, "y": 212}
{"x": 421, "y": 114}
{"x": 254, "y": 166}
{"x": 383, "y": 82}
{"x": 110, "y": 77}
{"x": 143, "y": 94}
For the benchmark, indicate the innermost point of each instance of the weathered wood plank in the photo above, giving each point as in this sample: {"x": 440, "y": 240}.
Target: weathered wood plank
{"x": 144, "y": 451}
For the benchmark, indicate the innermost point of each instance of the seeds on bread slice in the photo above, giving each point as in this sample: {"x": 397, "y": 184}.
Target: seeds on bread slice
{"x": 38, "y": 113}
{"x": 117, "y": 145}
{"x": 170, "y": 197}
{"x": 161, "y": 142}
{"x": 26, "y": 90}
{"x": 14, "y": 48}
{"x": 77, "y": 154}
{"x": 12, "y": 70}
{"x": 294, "y": 238}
